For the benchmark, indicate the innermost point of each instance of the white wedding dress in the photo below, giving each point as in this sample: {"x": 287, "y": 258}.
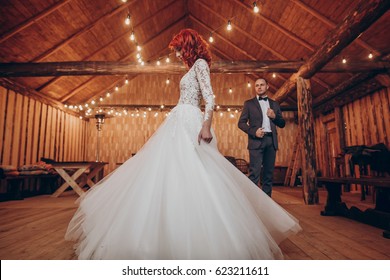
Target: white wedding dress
{"x": 176, "y": 199}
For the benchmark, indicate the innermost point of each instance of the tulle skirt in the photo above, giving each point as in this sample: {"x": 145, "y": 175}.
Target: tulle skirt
{"x": 176, "y": 199}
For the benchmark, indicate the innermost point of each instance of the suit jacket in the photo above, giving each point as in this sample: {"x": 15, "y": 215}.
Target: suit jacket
{"x": 251, "y": 119}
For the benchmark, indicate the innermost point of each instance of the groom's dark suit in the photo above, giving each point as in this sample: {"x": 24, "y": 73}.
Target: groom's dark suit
{"x": 262, "y": 151}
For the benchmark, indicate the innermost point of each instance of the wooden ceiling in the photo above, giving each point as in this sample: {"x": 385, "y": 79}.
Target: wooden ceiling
{"x": 37, "y": 31}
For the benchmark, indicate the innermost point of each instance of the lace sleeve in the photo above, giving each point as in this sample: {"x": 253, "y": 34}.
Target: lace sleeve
{"x": 202, "y": 71}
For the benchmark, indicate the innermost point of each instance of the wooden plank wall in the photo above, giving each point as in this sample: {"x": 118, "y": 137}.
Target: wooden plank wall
{"x": 30, "y": 129}
{"x": 123, "y": 136}
{"x": 366, "y": 122}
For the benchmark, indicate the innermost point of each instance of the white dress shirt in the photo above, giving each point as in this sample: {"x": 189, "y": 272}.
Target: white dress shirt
{"x": 266, "y": 121}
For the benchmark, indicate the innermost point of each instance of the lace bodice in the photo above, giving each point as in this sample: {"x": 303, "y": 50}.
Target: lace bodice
{"x": 195, "y": 84}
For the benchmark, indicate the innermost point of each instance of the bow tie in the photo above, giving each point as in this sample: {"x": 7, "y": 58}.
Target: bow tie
{"x": 263, "y": 98}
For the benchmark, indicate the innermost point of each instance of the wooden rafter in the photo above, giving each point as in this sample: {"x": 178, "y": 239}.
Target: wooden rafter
{"x": 32, "y": 20}
{"x": 220, "y": 37}
{"x": 353, "y": 81}
{"x": 214, "y": 47}
{"x": 24, "y": 90}
{"x": 69, "y": 95}
{"x": 253, "y": 38}
{"x": 113, "y": 41}
{"x": 356, "y": 22}
{"x": 82, "y": 31}
{"x": 332, "y": 25}
{"x": 278, "y": 27}
{"x": 349, "y": 96}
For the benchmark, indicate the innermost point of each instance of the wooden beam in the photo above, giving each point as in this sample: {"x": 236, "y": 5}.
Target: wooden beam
{"x": 340, "y": 131}
{"x": 24, "y": 90}
{"x": 79, "y": 68}
{"x": 344, "y": 86}
{"x": 306, "y": 129}
{"x": 32, "y": 20}
{"x": 358, "y": 20}
{"x": 332, "y": 25}
{"x": 167, "y": 106}
{"x": 349, "y": 96}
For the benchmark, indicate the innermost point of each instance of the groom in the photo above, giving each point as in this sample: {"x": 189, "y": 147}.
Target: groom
{"x": 259, "y": 119}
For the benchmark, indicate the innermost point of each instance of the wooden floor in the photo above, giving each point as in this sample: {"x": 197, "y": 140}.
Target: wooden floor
{"x": 34, "y": 228}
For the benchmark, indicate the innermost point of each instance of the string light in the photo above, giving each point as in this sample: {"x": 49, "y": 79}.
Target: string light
{"x": 101, "y": 99}
{"x": 127, "y": 81}
{"x": 255, "y": 8}
{"x": 116, "y": 88}
{"x": 127, "y": 20}
{"x": 229, "y": 25}
{"x": 344, "y": 60}
{"x": 124, "y": 1}
{"x": 139, "y": 47}
{"x": 249, "y": 84}
{"x": 167, "y": 60}
{"x": 167, "y": 81}
{"x": 158, "y": 63}
{"x": 132, "y": 36}
{"x": 230, "y": 90}
{"x": 108, "y": 94}
{"x": 273, "y": 75}
{"x": 370, "y": 55}
{"x": 211, "y": 39}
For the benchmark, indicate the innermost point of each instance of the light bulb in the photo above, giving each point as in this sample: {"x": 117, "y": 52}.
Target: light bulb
{"x": 127, "y": 20}
{"x": 211, "y": 39}
{"x": 132, "y": 36}
{"x": 255, "y": 8}
{"x": 229, "y": 26}
{"x": 370, "y": 56}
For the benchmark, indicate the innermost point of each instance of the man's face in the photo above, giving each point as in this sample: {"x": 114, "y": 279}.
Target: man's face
{"x": 261, "y": 87}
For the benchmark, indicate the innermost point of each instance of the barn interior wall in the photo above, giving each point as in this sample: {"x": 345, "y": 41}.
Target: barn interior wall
{"x": 366, "y": 121}
{"x": 30, "y": 130}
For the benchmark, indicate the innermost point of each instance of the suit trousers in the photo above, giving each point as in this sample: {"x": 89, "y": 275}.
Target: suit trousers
{"x": 263, "y": 157}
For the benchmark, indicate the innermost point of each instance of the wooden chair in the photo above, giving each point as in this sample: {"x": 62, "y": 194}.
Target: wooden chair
{"x": 243, "y": 165}
{"x": 231, "y": 159}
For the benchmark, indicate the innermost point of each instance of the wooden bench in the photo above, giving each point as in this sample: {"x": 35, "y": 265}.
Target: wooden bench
{"x": 15, "y": 184}
{"x": 379, "y": 216}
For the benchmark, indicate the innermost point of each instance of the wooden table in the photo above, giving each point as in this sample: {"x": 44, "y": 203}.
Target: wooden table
{"x": 78, "y": 169}
{"x": 379, "y": 217}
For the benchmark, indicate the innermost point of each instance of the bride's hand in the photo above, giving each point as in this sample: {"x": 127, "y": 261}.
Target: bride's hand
{"x": 205, "y": 135}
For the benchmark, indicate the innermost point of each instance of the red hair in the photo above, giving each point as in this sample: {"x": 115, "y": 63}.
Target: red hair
{"x": 192, "y": 46}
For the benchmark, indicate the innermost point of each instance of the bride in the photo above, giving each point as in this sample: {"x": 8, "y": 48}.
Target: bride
{"x": 178, "y": 197}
